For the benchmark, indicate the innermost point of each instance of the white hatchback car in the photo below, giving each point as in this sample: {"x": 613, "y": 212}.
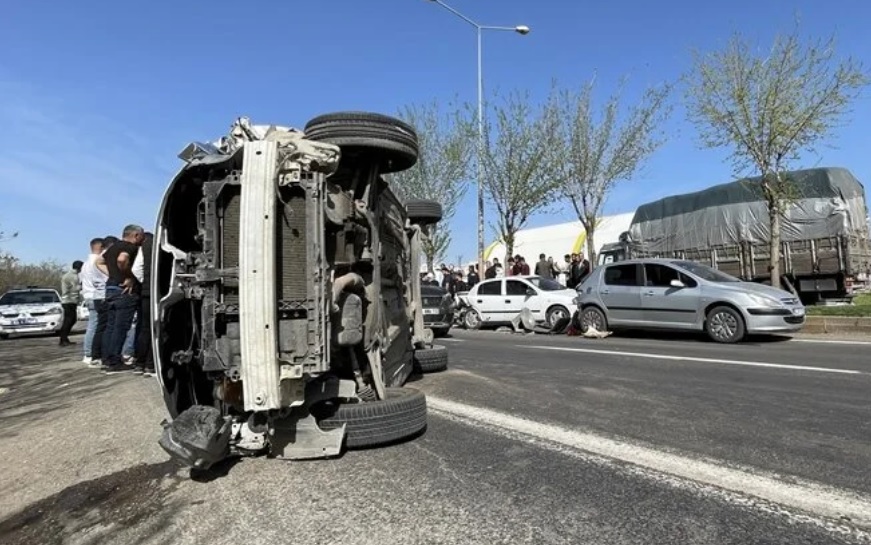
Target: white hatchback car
{"x": 498, "y": 301}
{"x": 30, "y": 310}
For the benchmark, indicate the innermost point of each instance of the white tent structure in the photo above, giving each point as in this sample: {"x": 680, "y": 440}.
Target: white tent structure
{"x": 561, "y": 239}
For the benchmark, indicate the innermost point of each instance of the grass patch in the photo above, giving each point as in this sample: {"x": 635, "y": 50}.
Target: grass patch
{"x": 861, "y": 307}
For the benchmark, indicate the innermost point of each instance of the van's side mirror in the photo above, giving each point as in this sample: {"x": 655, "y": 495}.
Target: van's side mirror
{"x": 677, "y": 284}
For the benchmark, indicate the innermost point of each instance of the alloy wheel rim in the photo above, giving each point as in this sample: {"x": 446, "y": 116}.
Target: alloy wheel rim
{"x": 472, "y": 318}
{"x": 557, "y": 315}
{"x": 724, "y": 325}
{"x": 592, "y": 318}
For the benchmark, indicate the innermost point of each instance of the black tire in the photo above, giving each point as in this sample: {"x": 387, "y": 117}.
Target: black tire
{"x": 556, "y": 313}
{"x": 725, "y": 325}
{"x": 368, "y": 424}
{"x": 440, "y": 331}
{"x": 4, "y": 336}
{"x": 595, "y": 317}
{"x": 431, "y": 360}
{"x": 392, "y": 142}
{"x": 423, "y": 211}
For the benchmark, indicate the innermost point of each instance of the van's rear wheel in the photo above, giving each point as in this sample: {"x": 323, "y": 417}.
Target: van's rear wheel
{"x": 391, "y": 142}
{"x": 372, "y": 423}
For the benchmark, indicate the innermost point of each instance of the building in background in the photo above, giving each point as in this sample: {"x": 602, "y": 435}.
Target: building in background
{"x": 561, "y": 239}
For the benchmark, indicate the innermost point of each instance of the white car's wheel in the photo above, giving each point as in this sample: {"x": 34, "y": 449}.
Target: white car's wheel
{"x": 472, "y": 319}
{"x": 555, "y": 314}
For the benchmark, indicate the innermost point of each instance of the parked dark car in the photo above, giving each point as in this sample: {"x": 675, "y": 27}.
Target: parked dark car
{"x": 438, "y": 309}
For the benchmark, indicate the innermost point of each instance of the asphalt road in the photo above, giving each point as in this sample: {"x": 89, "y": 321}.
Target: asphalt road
{"x": 529, "y": 441}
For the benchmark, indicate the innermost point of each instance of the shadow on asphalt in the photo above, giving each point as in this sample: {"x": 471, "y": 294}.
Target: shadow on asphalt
{"x": 217, "y": 471}
{"x": 675, "y": 336}
{"x": 37, "y": 378}
{"x": 693, "y": 337}
{"x": 92, "y": 512}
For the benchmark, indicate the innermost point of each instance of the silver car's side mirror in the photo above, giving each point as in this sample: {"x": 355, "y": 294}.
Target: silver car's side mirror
{"x": 677, "y": 284}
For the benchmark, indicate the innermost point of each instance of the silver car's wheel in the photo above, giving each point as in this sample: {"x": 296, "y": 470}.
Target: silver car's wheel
{"x": 555, "y": 314}
{"x": 472, "y": 319}
{"x": 725, "y": 325}
{"x": 593, "y": 317}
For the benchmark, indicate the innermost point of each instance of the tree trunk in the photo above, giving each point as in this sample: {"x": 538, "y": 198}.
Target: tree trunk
{"x": 509, "y": 248}
{"x": 591, "y": 246}
{"x": 774, "y": 243}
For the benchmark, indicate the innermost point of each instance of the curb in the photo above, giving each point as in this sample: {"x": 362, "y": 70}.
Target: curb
{"x": 837, "y": 324}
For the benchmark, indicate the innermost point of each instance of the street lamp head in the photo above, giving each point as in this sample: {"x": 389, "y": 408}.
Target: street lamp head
{"x": 522, "y": 29}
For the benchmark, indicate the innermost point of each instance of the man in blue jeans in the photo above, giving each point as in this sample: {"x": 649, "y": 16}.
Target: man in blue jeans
{"x": 93, "y": 292}
{"x": 122, "y": 296}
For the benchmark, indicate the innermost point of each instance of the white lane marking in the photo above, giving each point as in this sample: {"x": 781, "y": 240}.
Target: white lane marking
{"x": 743, "y": 486}
{"x": 828, "y": 341}
{"x": 450, "y": 340}
{"x": 700, "y": 360}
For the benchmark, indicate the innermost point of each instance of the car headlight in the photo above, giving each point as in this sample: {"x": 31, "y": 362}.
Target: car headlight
{"x": 55, "y": 310}
{"x": 764, "y": 301}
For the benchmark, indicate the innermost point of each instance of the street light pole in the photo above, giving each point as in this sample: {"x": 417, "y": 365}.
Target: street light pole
{"x": 522, "y": 30}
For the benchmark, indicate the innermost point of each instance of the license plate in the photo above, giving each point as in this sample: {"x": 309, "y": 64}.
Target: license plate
{"x": 798, "y": 311}
{"x": 430, "y": 311}
{"x": 26, "y": 321}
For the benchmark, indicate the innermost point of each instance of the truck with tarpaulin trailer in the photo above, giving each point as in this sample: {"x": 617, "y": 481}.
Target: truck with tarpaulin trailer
{"x": 825, "y": 248}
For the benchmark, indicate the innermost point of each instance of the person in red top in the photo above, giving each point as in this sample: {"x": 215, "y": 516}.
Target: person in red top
{"x": 521, "y": 265}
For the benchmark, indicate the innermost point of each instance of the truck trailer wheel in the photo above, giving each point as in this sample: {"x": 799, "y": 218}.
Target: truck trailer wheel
{"x": 372, "y": 423}
{"x": 392, "y": 143}
{"x": 431, "y": 360}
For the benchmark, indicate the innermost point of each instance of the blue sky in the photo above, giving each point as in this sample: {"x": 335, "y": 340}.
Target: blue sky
{"x": 97, "y": 97}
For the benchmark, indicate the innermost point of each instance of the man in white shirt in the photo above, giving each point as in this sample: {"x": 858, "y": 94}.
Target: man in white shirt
{"x": 94, "y": 294}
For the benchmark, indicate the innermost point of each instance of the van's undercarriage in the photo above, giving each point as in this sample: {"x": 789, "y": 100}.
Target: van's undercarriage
{"x": 286, "y": 282}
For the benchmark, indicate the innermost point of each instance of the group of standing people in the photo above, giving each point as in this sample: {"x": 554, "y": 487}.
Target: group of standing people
{"x": 570, "y": 273}
{"x": 114, "y": 283}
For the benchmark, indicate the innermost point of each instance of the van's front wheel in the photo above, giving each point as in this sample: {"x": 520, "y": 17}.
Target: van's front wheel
{"x": 371, "y": 423}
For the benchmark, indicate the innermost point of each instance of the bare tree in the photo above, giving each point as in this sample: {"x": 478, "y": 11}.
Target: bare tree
{"x": 601, "y": 150}
{"x": 441, "y": 173}
{"x": 519, "y": 160}
{"x": 769, "y": 108}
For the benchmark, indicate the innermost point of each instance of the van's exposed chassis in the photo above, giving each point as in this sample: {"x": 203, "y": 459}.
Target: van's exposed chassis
{"x": 286, "y": 310}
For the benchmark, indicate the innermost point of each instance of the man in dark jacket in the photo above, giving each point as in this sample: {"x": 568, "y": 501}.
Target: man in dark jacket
{"x": 579, "y": 271}
{"x": 544, "y": 268}
{"x": 142, "y": 271}
{"x": 472, "y": 277}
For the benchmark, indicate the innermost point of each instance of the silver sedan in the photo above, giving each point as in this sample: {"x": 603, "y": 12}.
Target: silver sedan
{"x": 684, "y": 295}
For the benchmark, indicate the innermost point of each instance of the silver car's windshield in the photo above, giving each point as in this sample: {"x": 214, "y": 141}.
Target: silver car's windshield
{"x": 704, "y": 272}
{"x": 545, "y": 284}
{"x": 29, "y": 298}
